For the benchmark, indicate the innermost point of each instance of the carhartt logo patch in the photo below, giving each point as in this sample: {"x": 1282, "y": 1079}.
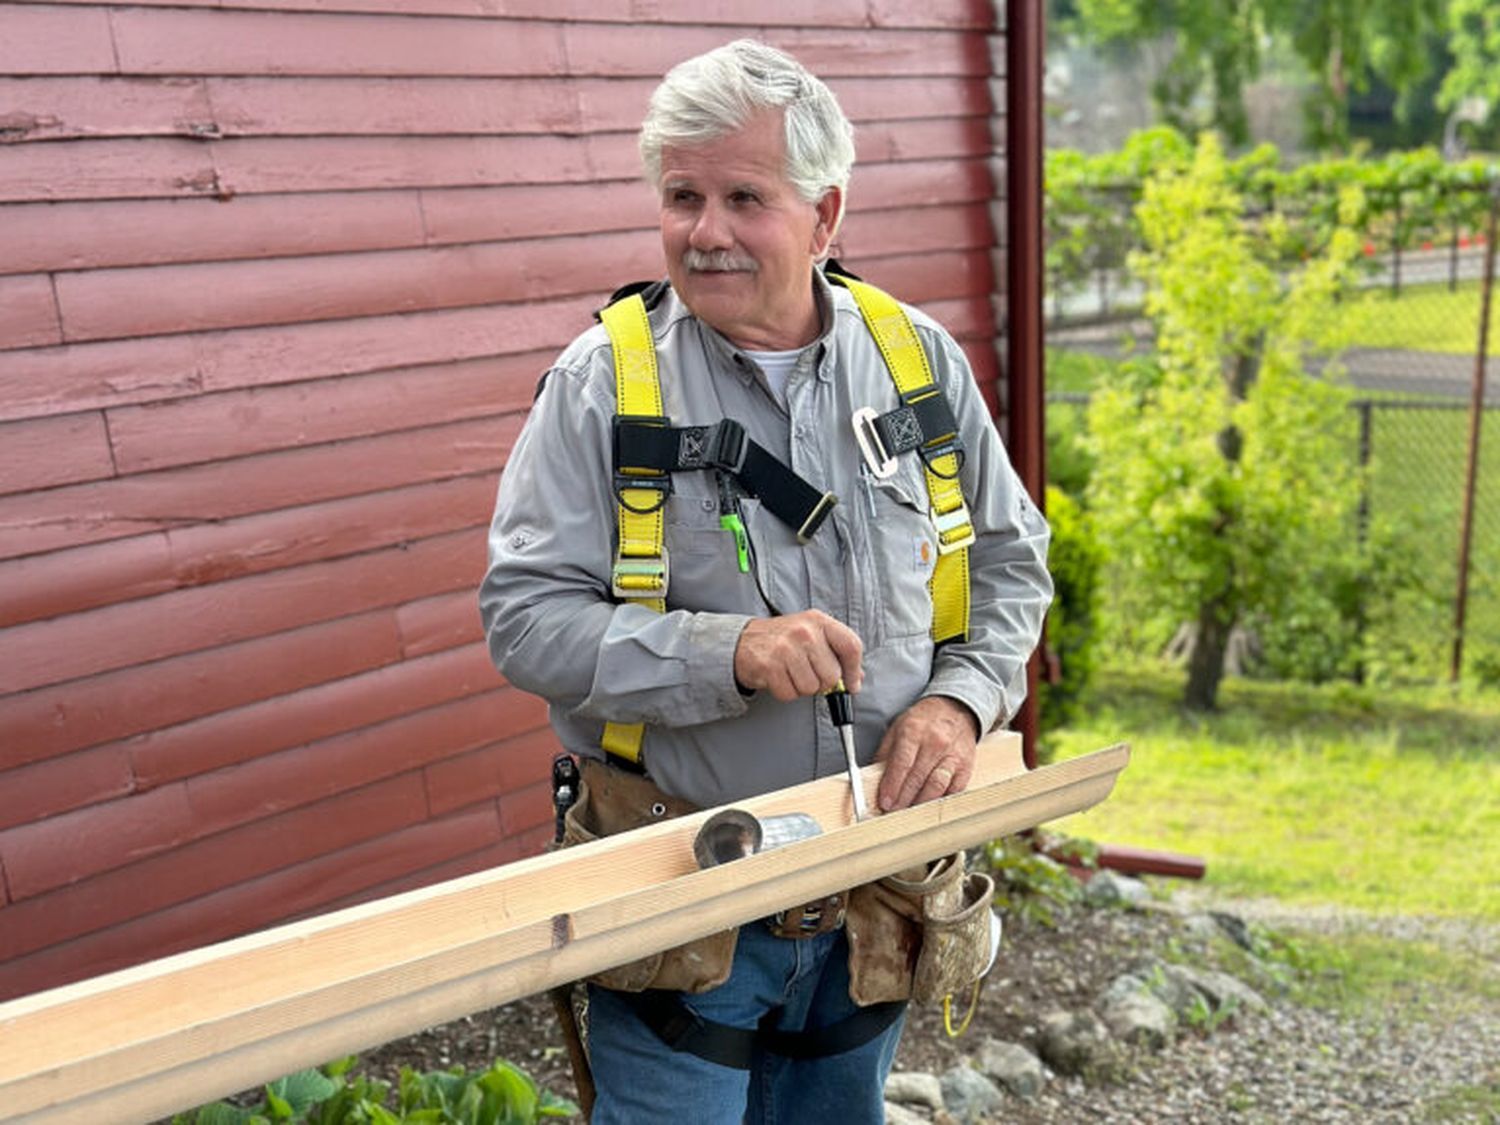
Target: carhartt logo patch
{"x": 922, "y": 553}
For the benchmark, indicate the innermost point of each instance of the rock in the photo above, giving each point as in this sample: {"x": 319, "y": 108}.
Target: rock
{"x": 969, "y": 1095}
{"x": 1109, "y": 888}
{"x": 1168, "y": 984}
{"x": 1013, "y": 1066}
{"x": 1073, "y": 1043}
{"x": 896, "y": 1114}
{"x": 1235, "y": 929}
{"x": 1135, "y": 1014}
{"x": 914, "y": 1088}
{"x": 1201, "y": 927}
{"x": 1222, "y": 989}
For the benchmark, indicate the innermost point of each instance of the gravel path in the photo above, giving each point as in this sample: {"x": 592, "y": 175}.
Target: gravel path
{"x": 1408, "y": 1062}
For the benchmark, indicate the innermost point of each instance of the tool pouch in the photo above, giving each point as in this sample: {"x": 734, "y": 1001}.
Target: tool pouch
{"x": 919, "y": 934}
{"x": 611, "y": 801}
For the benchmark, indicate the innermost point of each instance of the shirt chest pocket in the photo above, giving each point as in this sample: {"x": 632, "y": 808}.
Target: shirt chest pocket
{"x": 704, "y": 558}
{"x": 902, "y": 546}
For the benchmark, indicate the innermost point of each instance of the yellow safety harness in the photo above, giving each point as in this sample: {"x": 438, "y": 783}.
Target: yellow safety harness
{"x": 924, "y": 423}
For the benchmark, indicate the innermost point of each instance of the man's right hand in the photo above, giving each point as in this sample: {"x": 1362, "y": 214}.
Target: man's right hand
{"x": 800, "y": 654}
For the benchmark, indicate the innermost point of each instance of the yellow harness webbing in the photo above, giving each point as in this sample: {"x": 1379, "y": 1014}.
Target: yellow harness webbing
{"x": 907, "y": 363}
{"x": 640, "y": 572}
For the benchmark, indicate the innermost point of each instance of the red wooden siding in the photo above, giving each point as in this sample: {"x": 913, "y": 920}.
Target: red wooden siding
{"x": 277, "y": 279}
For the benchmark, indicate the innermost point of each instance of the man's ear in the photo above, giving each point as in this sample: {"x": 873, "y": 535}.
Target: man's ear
{"x": 830, "y": 211}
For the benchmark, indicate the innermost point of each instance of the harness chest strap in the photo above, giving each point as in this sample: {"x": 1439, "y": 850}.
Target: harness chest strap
{"x": 924, "y": 423}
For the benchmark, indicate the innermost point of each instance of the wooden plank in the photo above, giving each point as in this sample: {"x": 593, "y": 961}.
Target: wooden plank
{"x": 491, "y": 772}
{"x": 64, "y": 910}
{"x": 89, "y": 234}
{"x": 409, "y": 854}
{"x": 289, "y": 107}
{"x": 28, "y": 313}
{"x": 936, "y": 14}
{"x": 314, "y": 713}
{"x": 40, "y": 382}
{"x": 100, "y": 574}
{"x": 40, "y": 39}
{"x": 39, "y": 586}
{"x": 46, "y": 381}
{"x": 43, "y": 653}
{"x": 869, "y": 234}
{"x": 53, "y": 853}
{"x": 223, "y": 41}
{"x": 108, "y": 169}
{"x": 46, "y": 452}
{"x": 49, "y": 788}
{"x": 163, "y": 167}
{"x": 38, "y": 522}
{"x": 83, "y": 106}
{"x": 101, "y": 304}
{"x": 294, "y": 164}
{"x": 151, "y": 1040}
{"x": 284, "y": 42}
{"x": 52, "y": 721}
{"x": 439, "y": 623}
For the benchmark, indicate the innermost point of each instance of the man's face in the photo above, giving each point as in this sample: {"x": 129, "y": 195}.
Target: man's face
{"x": 740, "y": 242}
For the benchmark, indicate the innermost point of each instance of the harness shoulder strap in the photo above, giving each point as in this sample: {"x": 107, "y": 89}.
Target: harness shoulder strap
{"x": 923, "y": 402}
{"x": 640, "y": 569}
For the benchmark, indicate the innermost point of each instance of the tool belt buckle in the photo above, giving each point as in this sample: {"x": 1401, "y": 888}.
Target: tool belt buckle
{"x": 641, "y": 576}
{"x": 810, "y": 920}
{"x": 946, "y": 523}
{"x": 877, "y": 458}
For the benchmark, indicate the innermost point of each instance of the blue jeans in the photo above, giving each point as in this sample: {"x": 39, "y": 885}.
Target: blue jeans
{"x": 641, "y": 1081}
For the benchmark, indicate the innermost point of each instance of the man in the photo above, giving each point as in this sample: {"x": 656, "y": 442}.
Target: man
{"x": 763, "y": 614}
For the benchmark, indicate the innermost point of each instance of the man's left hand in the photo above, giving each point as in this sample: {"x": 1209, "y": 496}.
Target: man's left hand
{"x": 928, "y": 752}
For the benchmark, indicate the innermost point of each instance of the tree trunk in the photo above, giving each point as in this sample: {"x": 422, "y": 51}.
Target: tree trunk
{"x": 1206, "y": 658}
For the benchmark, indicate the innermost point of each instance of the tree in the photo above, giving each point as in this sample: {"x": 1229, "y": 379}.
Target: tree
{"x": 1219, "y": 45}
{"x": 1474, "y": 41}
{"x": 1223, "y": 487}
{"x": 1345, "y": 43}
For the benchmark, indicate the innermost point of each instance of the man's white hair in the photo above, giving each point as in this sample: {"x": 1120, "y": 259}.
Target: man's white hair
{"x": 714, "y": 94}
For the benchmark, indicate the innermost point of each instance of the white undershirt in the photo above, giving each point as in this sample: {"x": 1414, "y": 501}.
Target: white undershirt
{"x": 778, "y": 368}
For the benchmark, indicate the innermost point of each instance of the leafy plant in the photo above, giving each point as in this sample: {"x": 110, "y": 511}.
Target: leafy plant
{"x": 1029, "y": 883}
{"x": 1074, "y": 560}
{"x": 1222, "y": 484}
{"x": 503, "y": 1094}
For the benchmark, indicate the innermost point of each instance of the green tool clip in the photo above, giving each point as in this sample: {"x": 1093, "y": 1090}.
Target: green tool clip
{"x": 731, "y": 522}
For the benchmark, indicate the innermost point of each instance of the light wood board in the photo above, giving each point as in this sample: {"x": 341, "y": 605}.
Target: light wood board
{"x": 147, "y": 1041}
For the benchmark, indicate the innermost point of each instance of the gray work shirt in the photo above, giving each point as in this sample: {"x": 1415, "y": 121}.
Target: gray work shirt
{"x": 554, "y": 628}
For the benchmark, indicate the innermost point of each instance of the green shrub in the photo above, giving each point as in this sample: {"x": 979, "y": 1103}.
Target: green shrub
{"x": 1074, "y": 560}
{"x": 501, "y": 1095}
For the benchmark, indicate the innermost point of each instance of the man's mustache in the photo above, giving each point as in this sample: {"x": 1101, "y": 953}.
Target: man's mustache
{"x": 718, "y": 261}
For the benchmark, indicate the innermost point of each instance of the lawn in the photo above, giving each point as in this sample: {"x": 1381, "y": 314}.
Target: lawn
{"x": 1426, "y": 318}
{"x": 1386, "y": 801}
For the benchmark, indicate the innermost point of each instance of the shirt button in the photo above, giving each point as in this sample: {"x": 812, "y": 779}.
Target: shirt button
{"x": 708, "y": 505}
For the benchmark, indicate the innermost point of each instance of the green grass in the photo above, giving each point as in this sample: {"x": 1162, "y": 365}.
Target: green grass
{"x": 1427, "y": 318}
{"x": 1381, "y": 800}
{"x": 1371, "y": 974}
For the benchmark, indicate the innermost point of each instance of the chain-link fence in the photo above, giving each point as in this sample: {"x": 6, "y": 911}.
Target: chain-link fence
{"x": 1410, "y": 329}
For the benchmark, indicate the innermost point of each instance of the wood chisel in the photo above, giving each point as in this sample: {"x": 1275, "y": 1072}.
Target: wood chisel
{"x": 841, "y": 709}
